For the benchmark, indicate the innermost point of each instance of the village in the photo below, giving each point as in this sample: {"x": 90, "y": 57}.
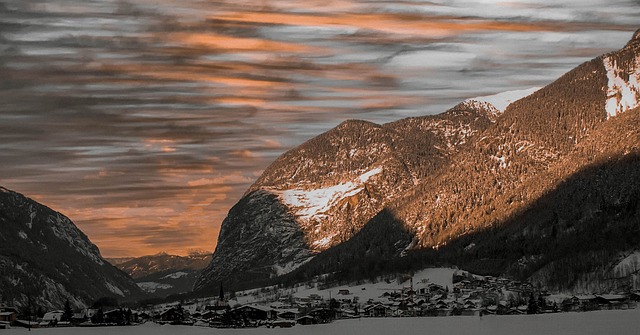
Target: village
{"x": 468, "y": 295}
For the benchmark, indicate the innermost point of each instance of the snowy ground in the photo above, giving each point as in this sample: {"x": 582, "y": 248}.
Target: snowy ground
{"x": 599, "y": 322}
{"x": 364, "y": 292}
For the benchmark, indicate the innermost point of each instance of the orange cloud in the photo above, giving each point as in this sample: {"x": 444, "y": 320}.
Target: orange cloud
{"x": 432, "y": 26}
{"x": 238, "y": 44}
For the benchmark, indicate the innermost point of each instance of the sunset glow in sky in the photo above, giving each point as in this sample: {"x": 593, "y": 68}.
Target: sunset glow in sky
{"x": 144, "y": 121}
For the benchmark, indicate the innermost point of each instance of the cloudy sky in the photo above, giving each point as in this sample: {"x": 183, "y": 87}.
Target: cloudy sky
{"x": 144, "y": 121}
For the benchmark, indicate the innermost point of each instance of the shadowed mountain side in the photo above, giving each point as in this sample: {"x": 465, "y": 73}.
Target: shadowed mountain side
{"x": 574, "y": 232}
{"x": 258, "y": 236}
{"x": 45, "y": 259}
{"x": 365, "y": 256}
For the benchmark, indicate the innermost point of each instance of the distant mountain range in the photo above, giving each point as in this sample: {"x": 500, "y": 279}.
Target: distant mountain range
{"x": 46, "y": 260}
{"x": 540, "y": 184}
{"x": 161, "y": 275}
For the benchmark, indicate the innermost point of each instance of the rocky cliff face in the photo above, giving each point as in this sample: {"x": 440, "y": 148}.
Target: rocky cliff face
{"x": 433, "y": 184}
{"x": 45, "y": 258}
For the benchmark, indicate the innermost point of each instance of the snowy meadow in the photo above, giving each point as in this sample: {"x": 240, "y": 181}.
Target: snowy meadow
{"x": 599, "y": 322}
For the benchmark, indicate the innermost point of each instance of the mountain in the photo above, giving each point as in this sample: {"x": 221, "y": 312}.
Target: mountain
{"x": 45, "y": 259}
{"x": 523, "y": 183}
{"x": 321, "y": 193}
{"x": 161, "y": 275}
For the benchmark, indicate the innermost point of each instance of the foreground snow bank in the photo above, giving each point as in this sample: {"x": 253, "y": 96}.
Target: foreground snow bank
{"x": 600, "y": 322}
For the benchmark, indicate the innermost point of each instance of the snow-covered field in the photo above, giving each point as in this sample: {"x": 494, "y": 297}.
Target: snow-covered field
{"x": 364, "y": 292}
{"x": 599, "y": 322}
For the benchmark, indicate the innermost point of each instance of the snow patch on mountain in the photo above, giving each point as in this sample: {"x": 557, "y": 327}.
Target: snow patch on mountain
{"x": 308, "y": 204}
{"x": 290, "y": 266}
{"x": 176, "y": 275}
{"x": 623, "y": 91}
{"x": 629, "y": 264}
{"x": 323, "y": 242}
{"x": 498, "y": 103}
{"x": 114, "y": 289}
{"x": 32, "y": 215}
{"x": 152, "y": 287}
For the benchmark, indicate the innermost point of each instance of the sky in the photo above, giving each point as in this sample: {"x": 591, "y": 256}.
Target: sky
{"x": 145, "y": 121}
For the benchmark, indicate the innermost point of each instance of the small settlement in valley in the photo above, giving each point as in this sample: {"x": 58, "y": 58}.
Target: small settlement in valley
{"x": 429, "y": 293}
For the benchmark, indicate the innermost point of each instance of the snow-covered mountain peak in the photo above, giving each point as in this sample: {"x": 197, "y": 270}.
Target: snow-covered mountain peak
{"x": 498, "y": 103}
{"x": 623, "y": 90}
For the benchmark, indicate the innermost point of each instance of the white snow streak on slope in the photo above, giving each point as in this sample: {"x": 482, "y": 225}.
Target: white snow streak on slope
{"x": 176, "y": 275}
{"x": 288, "y": 267}
{"x": 151, "y": 287}
{"x": 622, "y": 94}
{"x": 114, "y": 289}
{"x": 313, "y": 203}
{"x": 502, "y": 100}
{"x": 629, "y": 264}
{"x": 599, "y": 322}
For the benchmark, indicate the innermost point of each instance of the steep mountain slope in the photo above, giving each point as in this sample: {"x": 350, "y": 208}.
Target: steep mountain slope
{"x": 162, "y": 274}
{"x": 556, "y": 164}
{"x": 320, "y": 194}
{"x": 425, "y": 184}
{"x": 572, "y": 237}
{"x": 490, "y": 181}
{"x": 46, "y": 259}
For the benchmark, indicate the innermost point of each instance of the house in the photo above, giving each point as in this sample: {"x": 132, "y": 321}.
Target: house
{"x": 344, "y": 292}
{"x": 255, "y": 312}
{"x": 634, "y": 297}
{"x": 171, "y": 314}
{"x": 492, "y": 310}
{"x": 571, "y": 304}
{"x": 51, "y": 318}
{"x": 323, "y": 315}
{"x": 27, "y": 324}
{"x": 142, "y": 316}
{"x": 306, "y": 320}
{"x": 208, "y": 315}
{"x": 8, "y": 317}
{"x": 79, "y": 317}
{"x": 378, "y": 310}
{"x": 220, "y": 306}
{"x": 612, "y": 301}
{"x": 115, "y": 316}
{"x": 287, "y": 314}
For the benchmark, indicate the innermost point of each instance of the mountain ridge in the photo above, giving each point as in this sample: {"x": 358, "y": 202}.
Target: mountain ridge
{"x": 45, "y": 259}
{"x": 162, "y": 274}
{"x": 352, "y": 155}
{"x": 463, "y": 178}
